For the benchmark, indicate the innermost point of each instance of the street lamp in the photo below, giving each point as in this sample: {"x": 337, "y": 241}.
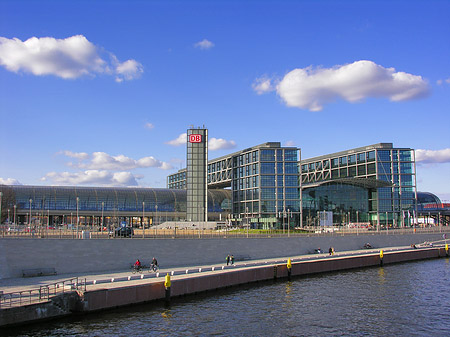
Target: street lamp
{"x": 357, "y": 222}
{"x": 29, "y": 220}
{"x": 156, "y": 218}
{"x": 103, "y": 206}
{"x": 143, "y": 215}
{"x": 78, "y": 199}
{"x": 247, "y": 220}
{"x": 15, "y": 216}
{"x": 1, "y": 196}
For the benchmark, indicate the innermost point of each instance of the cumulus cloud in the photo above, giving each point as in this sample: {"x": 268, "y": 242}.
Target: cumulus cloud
{"x": 92, "y": 177}
{"x": 204, "y": 44}
{"x": 311, "y": 88}
{"x": 149, "y": 126}
{"x": 67, "y": 58}
{"x": 77, "y": 155}
{"x": 263, "y": 85}
{"x": 220, "y": 144}
{"x": 433, "y": 156}
{"x": 289, "y": 143}
{"x": 213, "y": 143}
{"x": 104, "y": 161}
{"x": 9, "y": 181}
{"x": 180, "y": 140}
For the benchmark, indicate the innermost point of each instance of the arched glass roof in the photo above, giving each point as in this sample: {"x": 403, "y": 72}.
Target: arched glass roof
{"x": 118, "y": 199}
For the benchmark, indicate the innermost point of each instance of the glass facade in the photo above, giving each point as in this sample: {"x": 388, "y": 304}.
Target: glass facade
{"x": 389, "y": 176}
{"x": 112, "y": 202}
{"x": 196, "y": 174}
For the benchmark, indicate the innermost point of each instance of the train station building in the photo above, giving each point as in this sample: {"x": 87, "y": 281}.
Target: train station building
{"x": 263, "y": 186}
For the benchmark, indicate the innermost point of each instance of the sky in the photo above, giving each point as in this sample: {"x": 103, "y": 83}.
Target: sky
{"x": 101, "y": 93}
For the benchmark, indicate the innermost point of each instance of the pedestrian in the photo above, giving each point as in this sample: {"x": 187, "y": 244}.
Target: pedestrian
{"x": 330, "y": 251}
{"x": 228, "y": 259}
{"x": 232, "y": 259}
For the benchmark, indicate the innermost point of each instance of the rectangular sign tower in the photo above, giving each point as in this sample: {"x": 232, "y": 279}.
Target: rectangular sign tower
{"x": 196, "y": 179}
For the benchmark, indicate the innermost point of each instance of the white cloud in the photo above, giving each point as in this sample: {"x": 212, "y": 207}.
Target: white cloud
{"x": 149, "y": 126}
{"x": 180, "y": 140}
{"x": 442, "y": 81}
{"x": 128, "y": 70}
{"x": 311, "y": 88}
{"x": 67, "y": 58}
{"x": 220, "y": 144}
{"x": 104, "y": 161}
{"x": 213, "y": 143}
{"x": 9, "y": 181}
{"x": 93, "y": 177}
{"x": 263, "y": 85}
{"x": 289, "y": 143}
{"x": 433, "y": 156}
{"x": 204, "y": 44}
{"x": 77, "y": 155}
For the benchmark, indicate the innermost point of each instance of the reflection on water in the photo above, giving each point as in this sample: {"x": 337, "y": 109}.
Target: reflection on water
{"x": 411, "y": 299}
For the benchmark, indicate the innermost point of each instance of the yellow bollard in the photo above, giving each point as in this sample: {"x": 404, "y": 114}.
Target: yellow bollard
{"x": 381, "y": 257}
{"x": 167, "y": 284}
{"x": 446, "y": 249}
{"x": 289, "y": 267}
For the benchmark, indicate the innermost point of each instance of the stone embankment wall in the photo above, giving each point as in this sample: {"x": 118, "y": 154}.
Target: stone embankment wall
{"x": 123, "y": 295}
{"x": 67, "y": 256}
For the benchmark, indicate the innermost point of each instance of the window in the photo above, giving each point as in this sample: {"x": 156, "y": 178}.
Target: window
{"x": 352, "y": 159}
{"x": 384, "y": 155}
{"x": 361, "y": 170}
{"x": 361, "y": 157}
{"x": 267, "y": 193}
{"x": 370, "y": 156}
{"x": 290, "y": 155}
{"x": 267, "y": 168}
{"x": 334, "y": 162}
{"x": 290, "y": 168}
{"x": 405, "y": 155}
{"x": 291, "y": 180}
{"x": 343, "y": 161}
{"x": 267, "y": 155}
{"x": 267, "y": 180}
{"x": 279, "y": 180}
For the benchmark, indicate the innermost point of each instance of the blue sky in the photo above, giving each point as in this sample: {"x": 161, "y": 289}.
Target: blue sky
{"x": 99, "y": 93}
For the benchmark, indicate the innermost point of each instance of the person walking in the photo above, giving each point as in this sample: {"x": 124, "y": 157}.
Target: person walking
{"x": 232, "y": 259}
{"x": 228, "y": 259}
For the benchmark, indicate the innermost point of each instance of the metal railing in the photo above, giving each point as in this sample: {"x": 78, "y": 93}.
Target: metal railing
{"x": 176, "y": 233}
{"x": 41, "y": 294}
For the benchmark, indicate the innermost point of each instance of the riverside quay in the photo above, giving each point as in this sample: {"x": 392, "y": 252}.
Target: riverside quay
{"x": 266, "y": 186}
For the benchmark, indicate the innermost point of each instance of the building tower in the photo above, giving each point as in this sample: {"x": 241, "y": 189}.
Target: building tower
{"x": 196, "y": 179}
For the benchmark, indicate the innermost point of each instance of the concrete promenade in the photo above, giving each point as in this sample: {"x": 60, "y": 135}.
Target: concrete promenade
{"x": 103, "y": 291}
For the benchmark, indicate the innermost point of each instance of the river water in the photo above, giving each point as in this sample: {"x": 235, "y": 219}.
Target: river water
{"x": 409, "y": 299}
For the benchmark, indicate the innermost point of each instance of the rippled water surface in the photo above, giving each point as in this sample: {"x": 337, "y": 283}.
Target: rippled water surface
{"x": 410, "y": 299}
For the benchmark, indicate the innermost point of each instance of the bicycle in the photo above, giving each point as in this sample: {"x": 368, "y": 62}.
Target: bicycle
{"x": 135, "y": 269}
{"x": 153, "y": 268}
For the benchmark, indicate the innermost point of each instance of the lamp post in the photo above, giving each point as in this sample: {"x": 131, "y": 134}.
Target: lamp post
{"x": 78, "y": 219}
{"x": 156, "y": 217}
{"x": 15, "y": 207}
{"x": 143, "y": 215}
{"x": 103, "y": 207}
{"x": 29, "y": 220}
{"x": 246, "y": 208}
{"x": 1, "y": 196}
{"x": 357, "y": 222}
{"x": 48, "y": 222}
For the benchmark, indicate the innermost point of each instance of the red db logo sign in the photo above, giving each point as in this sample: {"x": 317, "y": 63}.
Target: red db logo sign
{"x": 195, "y": 138}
